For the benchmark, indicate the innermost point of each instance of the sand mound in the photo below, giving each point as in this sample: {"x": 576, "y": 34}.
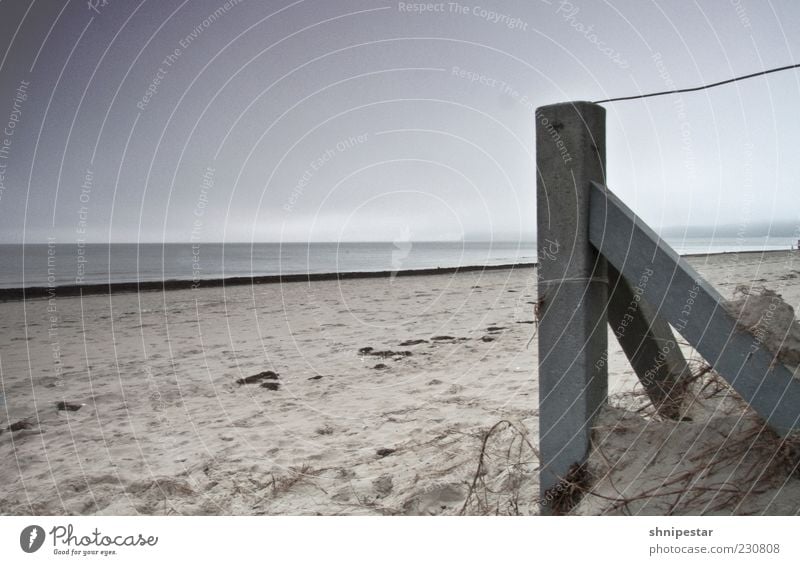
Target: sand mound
{"x": 765, "y": 314}
{"x": 724, "y": 462}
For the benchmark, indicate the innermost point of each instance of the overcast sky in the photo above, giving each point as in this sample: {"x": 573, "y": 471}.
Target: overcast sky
{"x": 275, "y": 120}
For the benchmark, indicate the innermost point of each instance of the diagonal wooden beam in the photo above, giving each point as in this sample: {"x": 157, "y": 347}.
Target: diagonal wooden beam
{"x": 695, "y": 309}
{"x": 647, "y": 340}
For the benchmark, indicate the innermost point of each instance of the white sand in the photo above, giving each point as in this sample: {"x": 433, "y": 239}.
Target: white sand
{"x": 166, "y": 429}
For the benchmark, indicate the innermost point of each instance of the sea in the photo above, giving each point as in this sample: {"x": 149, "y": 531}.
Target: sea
{"x": 54, "y": 264}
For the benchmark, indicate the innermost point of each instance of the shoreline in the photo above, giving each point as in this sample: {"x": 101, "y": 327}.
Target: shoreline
{"x": 66, "y": 290}
{"x": 747, "y": 252}
{"x": 24, "y": 293}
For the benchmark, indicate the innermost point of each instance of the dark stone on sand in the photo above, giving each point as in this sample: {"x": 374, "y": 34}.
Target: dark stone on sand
{"x": 72, "y": 407}
{"x": 380, "y": 366}
{"x": 315, "y": 378}
{"x": 487, "y": 338}
{"x": 411, "y": 342}
{"x": 526, "y": 322}
{"x": 254, "y": 379}
{"x": 21, "y": 425}
{"x": 496, "y": 328}
{"x": 389, "y": 353}
{"x": 271, "y": 385}
{"x": 434, "y": 382}
{"x": 442, "y": 338}
{"x": 384, "y": 451}
{"x": 384, "y": 354}
{"x": 512, "y": 291}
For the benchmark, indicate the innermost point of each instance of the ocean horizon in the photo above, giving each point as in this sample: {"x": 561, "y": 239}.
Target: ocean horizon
{"x": 65, "y": 264}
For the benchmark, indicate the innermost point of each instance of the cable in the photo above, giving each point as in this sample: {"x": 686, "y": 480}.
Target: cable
{"x": 712, "y": 85}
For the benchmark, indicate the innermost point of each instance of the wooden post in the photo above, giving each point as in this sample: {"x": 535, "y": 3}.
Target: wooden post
{"x": 572, "y": 334}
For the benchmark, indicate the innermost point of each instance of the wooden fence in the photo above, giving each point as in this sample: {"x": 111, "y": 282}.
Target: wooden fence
{"x": 600, "y": 264}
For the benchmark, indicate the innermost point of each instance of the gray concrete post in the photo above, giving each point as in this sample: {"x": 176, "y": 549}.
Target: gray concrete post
{"x": 572, "y": 334}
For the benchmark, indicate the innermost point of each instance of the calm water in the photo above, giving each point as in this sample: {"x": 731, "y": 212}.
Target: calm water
{"x": 64, "y": 264}
{"x": 693, "y": 245}
{"x": 101, "y": 263}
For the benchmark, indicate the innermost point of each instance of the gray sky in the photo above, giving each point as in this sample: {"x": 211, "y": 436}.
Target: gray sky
{"x": 362, "y": 120}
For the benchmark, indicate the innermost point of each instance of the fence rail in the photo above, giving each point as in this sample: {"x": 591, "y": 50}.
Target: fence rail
{"x": 696, "y": 310}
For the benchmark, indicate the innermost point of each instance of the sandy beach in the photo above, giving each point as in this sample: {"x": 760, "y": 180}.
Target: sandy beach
{"x": 370, "y": 396}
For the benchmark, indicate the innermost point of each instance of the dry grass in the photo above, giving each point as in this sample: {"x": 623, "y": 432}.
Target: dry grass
{"x": 506, "y": 464}
{"x": 719, "y": 463}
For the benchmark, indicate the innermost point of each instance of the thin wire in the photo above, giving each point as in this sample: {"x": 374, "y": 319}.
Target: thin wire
{"x": 696, "y": 88}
